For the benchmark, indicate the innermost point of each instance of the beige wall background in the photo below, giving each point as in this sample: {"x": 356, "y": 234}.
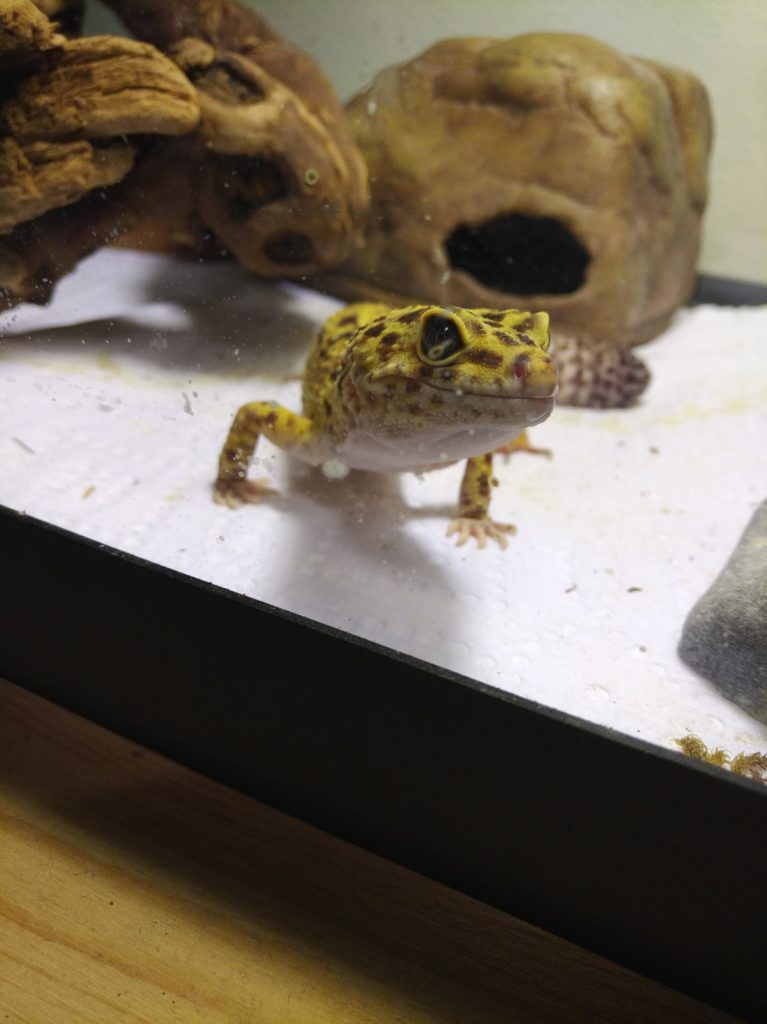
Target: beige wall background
{"x": 724, "y": 42}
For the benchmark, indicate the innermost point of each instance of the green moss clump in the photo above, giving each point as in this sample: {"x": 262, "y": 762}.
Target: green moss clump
{"x": 753, "y": 766}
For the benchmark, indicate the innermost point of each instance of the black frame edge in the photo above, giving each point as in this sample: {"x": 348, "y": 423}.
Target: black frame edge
{"x": 727, "y": 291}
{"x": 619, "y": 846}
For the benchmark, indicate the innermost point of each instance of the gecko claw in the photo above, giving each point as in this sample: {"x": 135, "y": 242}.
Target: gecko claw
{"x": 507, "y": 450}
{"x": 236, "y": 493}
{"x": 480, "y": 530}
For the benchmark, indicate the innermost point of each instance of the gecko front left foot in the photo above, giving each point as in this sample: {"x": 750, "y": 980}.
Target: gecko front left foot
{"x": 522, "y": 444}
{"x": 480, "y": 530}
{"x": 238, "y": 492}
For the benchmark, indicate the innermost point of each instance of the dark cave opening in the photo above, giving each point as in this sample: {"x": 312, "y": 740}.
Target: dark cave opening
{"x": 519, "y": 254}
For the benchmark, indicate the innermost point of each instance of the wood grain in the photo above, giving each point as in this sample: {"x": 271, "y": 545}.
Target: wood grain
{"x": 134, "y": 890}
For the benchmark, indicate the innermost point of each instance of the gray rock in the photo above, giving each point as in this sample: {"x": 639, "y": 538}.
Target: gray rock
{"x": 725, "y": 635}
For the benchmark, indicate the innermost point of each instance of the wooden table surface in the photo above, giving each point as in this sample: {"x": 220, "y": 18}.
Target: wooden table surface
{"x": 134, "y": 890}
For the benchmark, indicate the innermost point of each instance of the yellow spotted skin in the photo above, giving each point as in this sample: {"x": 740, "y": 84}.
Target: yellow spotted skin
{"x": 417, "y": 388}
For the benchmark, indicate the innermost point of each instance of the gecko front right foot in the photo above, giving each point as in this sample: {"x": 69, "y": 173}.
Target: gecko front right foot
{"x": 480, "y": 530}
{"x": 238, "y": 492}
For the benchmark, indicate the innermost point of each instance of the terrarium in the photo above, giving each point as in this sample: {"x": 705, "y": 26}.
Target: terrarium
{"x": 385, "y": 429}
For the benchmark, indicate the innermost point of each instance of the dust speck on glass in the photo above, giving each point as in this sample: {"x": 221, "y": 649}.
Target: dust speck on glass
{"x": 392, "y": 330}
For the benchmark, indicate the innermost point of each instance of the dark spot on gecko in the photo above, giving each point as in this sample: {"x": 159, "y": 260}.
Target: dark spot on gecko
{"x": 507, "y": 339}
{"x": 477, "y": 327}
{"x": 425, "y": 371}
{"x": 411, "y": 317}
{"x": 525, "y": 325}
{"x": 327, "y": 407}
{"x": 437, "y": 400}
{"x": 389, "y": 338}
{"x": 347, "y": 321}
{"x": 271, "y": 419}
{"x": 375, "y": 329}
{"x": 483, "y": 485}
{"x": 484, "y": 357}
{"x": 524, "y": 338}
{"x": 412, "y": 385}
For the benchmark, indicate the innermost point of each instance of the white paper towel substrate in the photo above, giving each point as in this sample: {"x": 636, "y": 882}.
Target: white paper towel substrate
{"x": 117, "y": 397}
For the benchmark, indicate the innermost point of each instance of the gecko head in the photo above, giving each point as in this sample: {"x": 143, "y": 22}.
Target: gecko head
{"x": 461, "y": 365}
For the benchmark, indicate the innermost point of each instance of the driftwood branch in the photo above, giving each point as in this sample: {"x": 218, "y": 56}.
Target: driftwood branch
{"x": 279, "y": 179}
{"x": 230, "y": 140}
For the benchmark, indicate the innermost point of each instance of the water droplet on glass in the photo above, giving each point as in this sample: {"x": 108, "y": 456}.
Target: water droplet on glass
{"x": 335, "y": 469}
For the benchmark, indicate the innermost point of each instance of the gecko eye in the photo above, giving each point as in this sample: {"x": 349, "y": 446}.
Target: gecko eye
{"x": 440, "y": 339}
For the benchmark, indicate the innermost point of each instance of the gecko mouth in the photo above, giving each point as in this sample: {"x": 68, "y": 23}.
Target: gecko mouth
{"x": 462, "y": 392}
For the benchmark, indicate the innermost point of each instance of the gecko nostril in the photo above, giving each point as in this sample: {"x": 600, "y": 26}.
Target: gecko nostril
{"x": 521, "y": 366}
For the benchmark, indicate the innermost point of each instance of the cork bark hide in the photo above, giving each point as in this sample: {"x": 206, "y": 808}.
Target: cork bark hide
{"x": 546, "y": 171}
